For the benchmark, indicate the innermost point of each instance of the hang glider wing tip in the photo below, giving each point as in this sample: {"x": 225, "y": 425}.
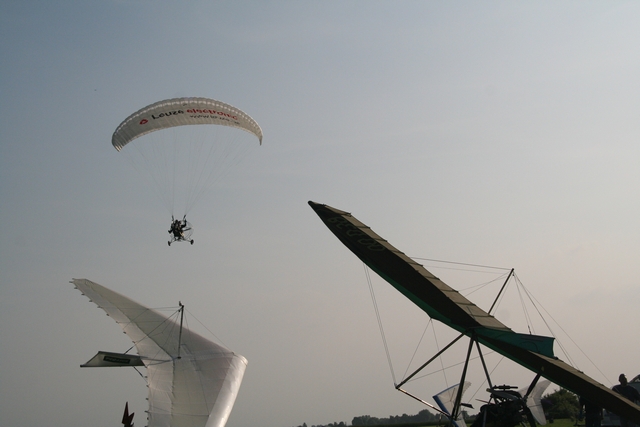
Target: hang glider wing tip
{"x": 318, "y": 207}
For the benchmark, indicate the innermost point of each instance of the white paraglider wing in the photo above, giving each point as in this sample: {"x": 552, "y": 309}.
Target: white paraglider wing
{"x": 193, "y": 386}
{"x": 181, "y": 112}
{"x": 183, "y": 146}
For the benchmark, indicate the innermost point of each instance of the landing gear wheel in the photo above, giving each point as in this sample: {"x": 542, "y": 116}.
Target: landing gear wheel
{"x": 192, "y": 242}
{"x": 169, "y": 243}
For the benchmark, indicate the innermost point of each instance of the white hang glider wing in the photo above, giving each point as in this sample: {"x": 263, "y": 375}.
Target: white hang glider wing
{"x": 446, "y": 400}
{"x": 193, "y": 382}
{"x": 534, "y": 401}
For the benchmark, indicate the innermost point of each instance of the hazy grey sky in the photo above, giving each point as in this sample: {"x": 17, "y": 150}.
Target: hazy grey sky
{"x": 499, "y": 133}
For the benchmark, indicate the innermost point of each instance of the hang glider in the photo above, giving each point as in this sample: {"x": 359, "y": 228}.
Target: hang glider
{"x": 192, "y": 381}
{"x": 446, "y": 401}
{"x": 445, "y": 304}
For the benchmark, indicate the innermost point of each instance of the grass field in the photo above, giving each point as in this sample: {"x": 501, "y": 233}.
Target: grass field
{"x": 565, "y": 422}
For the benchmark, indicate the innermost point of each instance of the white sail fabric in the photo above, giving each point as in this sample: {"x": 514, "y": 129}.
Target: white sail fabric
{"x": 534, "y": 401}
{"x": 180, "y": 112}
{"x": 446, "y": 399}
{"x": 196, "y": 387}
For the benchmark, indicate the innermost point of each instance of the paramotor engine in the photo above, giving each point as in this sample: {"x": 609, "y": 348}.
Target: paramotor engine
{"x": 181, "y": 159}
{"x": 180, "y": 231}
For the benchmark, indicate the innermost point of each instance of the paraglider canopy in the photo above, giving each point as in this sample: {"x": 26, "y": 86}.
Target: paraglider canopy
{"x": 181, "y": 112}
{"x": 182, "y": 160}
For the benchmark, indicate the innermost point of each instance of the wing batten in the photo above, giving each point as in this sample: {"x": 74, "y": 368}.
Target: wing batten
{"x": 443, "y": 303}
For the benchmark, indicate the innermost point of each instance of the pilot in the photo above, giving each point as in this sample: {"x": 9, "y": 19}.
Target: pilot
{"x": 629, "y": 392}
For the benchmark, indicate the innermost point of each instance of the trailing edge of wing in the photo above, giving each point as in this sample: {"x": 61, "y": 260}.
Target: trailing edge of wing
{"x": 443, "y": 303}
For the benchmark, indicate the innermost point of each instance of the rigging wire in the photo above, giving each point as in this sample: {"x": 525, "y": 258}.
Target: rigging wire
{"x": 418, "y": 377}
{"x": 417, "y": 348}
{"x": 480, "y": 286}
{"x": 442, "y": 369}
{"x": 520, "y": 288}
{"x": 187, "y": 331}
{"x": 142, "y": 161}
{"x": 384, "y": 339}
{"x": 562, "y": 347}
{"x": 208, "y": 330}
{"x": 461, "y": 263}
{"x": 174, "y": 167}
{"x": 184, "y": 163}
{"x": 484, "y": 381}
{"x": 523, "y": 295}
{"x": 168, "y": 323}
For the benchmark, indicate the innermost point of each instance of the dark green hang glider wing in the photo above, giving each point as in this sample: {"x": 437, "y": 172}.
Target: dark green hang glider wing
{"x": 443, "y": 303}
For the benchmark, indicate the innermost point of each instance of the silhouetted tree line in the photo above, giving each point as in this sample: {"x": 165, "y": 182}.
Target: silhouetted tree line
{"x": 559, "y": 404}
{"x": 423, "y": 416}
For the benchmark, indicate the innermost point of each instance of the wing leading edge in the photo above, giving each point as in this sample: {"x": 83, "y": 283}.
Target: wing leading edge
{"x": 443, "y": 303}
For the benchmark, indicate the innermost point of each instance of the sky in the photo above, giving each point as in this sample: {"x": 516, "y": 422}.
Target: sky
{"x": 492, "y": 133}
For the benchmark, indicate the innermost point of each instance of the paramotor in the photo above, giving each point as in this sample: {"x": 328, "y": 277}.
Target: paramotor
{"x": 183, "y": 160}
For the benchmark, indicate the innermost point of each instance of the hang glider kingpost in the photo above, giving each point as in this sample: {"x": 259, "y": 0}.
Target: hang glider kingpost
{"x": 445, "y": 304}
